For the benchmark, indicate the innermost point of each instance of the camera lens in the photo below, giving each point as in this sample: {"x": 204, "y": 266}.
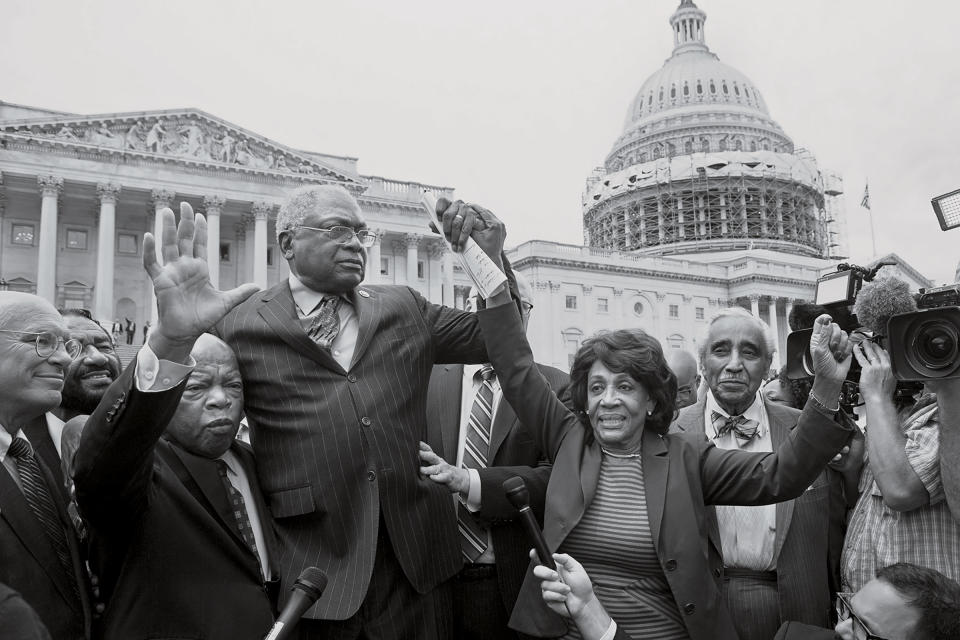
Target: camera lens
{"x": 936, "y": 344}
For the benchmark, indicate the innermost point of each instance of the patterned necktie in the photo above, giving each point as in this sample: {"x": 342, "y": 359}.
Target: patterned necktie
{"x": 473, "y": 535}
{"x": 41, "y": 503}
{"x": 744, "y": 429}
{"x": 326, "y": 323}
{"x": 239, "y": 509}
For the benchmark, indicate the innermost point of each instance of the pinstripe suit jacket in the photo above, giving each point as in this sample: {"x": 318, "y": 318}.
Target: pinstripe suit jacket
{"x": 337, "y": 451}
{"x": 809, "y": 534}
{"x": 682, "y": 474}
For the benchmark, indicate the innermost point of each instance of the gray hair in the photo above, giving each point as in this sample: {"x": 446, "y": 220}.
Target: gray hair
{"x": 322, "y": 199}
{"x": 738, "y": 312}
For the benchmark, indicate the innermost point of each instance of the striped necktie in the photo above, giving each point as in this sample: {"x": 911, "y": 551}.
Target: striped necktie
{"x": 241, "y": 517}
{"x": 473, "y": 535}
{"x": 41, "y": 504}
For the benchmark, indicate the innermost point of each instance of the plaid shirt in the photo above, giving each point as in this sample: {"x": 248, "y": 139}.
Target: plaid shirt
{"x": 878, "y": 536}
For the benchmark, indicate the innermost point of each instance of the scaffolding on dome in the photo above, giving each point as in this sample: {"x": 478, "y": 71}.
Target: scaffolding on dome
{"x": 733, "y": 200}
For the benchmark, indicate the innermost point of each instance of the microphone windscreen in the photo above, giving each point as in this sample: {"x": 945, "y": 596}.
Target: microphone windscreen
{"x": 881, "y": 299}
{"x": 516, "y": 491}
{"x": 312, "y": 581}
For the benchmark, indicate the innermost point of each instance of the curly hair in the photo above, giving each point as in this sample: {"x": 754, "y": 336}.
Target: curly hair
{"x": 640, "y": 356}
{"x": 320, "y": 199}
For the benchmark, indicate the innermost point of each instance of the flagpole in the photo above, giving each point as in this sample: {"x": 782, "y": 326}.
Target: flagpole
{"x": 865, "y": 203}
{"x": 873, "y": 237}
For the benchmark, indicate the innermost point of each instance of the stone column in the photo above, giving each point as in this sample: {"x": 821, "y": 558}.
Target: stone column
{"x": 106, "y": 229}
{"x": 755, "y": 305}
{"x": 435, "y": 252}
{"x": 787, "y": 308}
{"x": 213, "y": 207}
{"x": 240, "y": 229}
{"x": 372, "y": 275}
{"x": 619, "y": 313}
{"x": 448, "y": 276}
{"x": 261, "y": 212}
{"x": 688, "y": 322}
{"x": 775, "y": 329}
{"x": 555, "y": 308}
{"x": 247, "y": 264}
{"x": 411, "y": 240}
{"x": 162, "y": 199}
{"x": 50, "y": 187}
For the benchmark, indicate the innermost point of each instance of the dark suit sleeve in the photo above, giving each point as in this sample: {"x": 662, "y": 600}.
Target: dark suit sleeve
{"x": 544, "y": 417}
{"x": 494, "y": 503}
{"x": 741, "y": 478}
{"x": 114, "y": 462}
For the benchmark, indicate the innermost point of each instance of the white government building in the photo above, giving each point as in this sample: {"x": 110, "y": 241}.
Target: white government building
{"x": 703, "y": 202}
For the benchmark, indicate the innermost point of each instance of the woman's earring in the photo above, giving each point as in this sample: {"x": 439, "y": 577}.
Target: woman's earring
{"x": 649, "y": 412}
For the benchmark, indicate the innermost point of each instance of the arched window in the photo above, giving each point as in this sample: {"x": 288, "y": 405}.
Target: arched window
{"x": 657, "y": 152}
{"x": 713, "y": 87}
{"x": 704, "y": 145}
{"x": 650, "y": 99}
{"x": 686, "y": 89}
{"x": 673, "y": 92}
{"x": 736, "y": 89}
{"x": 699, "y": 88}
{"x": 688, "y": 146}
{"x": 723, "y": 144}
{"x": 753, "y": 145}
{"x": 643, "y": 158}
{"x": 661, "y": 94}
{"x": 746, "y": 92}
{"x": 725, "y": 90}
{"x": 738, "y": 145}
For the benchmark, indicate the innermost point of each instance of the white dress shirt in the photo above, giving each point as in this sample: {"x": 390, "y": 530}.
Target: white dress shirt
{"x": 747, "y": 534}
{"x": 307, "y": 301}
{"x": 238, "y": 478}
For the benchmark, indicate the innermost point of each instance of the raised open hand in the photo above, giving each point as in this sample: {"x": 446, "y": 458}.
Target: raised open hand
{"x": 187, "y": 304}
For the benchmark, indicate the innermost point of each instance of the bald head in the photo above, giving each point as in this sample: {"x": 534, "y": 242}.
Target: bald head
{"x": 684, "y": 366}
{"x": 211, "y": 406}
{"x": 16, "y": 306}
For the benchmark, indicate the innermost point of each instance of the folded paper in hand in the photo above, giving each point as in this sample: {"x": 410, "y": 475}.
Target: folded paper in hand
{"x": 484, "y": 273}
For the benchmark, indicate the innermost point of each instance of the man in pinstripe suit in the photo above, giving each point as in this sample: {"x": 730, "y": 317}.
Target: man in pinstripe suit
{"x": 335, "y": 420}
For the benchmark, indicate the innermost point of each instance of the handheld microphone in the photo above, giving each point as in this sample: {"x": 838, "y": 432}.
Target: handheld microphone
{"x": 881, "y": 299}
{"x": 306, "y": 590}
{"x": 516, "y": 491}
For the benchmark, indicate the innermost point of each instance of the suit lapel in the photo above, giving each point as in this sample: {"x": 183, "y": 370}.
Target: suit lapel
{"x": 448, "y": 409}
{"x": 504, "y": 421}
{"x": 24, "y": 523}
{"x": 245, "y": 456}
{"x": 207, "y": 480}
{"x": 656, "y": 465}
{"x": 368, "y": 307}
{"x": 781, "y": 424}
{"x": 690, "y": 420}
{"x": 278, "y": 310}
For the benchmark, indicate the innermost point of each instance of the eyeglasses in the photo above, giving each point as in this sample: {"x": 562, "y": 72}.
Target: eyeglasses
{"x": 47, "y": 343}
{"x": 845, "y": 611}
{"x": 526, "y": 308}
{"x": 343, "y": 235}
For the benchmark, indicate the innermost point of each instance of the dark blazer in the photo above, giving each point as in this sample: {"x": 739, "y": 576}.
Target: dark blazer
{"x": 29, "y": 564}
{"x": 38, "y": 433}
{"x": 512, "y": 453}
{"x": 337, "y": 451}
{"x": 682, "y": 474}
{"x": 809, "y": 535}
{"x": 800, "y": 631}
{"x": 18, "y": 620}
{"x": 170, "y": 560}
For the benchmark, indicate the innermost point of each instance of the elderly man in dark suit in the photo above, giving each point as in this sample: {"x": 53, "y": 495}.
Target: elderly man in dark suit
{"x": 469, "y": 423}
{"x": 39, "y": 551}
{"x": 182, "y": 532}
{"x": 781, "y": 562}
{"x": 335, "y": 378}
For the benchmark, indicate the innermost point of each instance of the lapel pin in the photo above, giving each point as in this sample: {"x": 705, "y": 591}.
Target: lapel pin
{"x": 363, "y": 293}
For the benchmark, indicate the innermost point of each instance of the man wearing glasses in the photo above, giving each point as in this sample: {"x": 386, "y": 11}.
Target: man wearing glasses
{"x": 39, "y": 551}
{"x": 904, "y": 602}
{"x": 335, "y": 379}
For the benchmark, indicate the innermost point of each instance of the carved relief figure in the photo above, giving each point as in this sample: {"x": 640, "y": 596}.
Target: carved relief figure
{"x": 243, "y": 155}
{"x": 155, "y": 137}
{"x": 192, "y": 136}
{"x": 135, "y": 136}
{"x": 66, "y": 133}
{"x": 103, "y": 136}
{"x": 282, "y": 164}
{"x": 227, "y": 149}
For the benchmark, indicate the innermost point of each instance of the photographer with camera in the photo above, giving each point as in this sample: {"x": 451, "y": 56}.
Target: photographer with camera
{"x": 901, "y": 515}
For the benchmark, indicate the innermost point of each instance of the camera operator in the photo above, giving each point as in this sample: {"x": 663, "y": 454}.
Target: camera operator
{"x": 901, "y": 515}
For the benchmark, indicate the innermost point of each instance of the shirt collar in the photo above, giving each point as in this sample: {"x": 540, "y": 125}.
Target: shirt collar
{"x": 306, "y": 298}
{"x": 6, "y": 440}
{"x": 55, "y": 429}
{"x": 230, "y": 460}
{"x": 754, "y": 412}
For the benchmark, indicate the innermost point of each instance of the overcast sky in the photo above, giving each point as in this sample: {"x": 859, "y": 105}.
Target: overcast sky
{"x": 513, "y": 103}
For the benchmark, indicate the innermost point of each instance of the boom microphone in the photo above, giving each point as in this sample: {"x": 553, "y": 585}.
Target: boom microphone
{"x": 306, "y": 590}
{"x": 519, "y": 497}
{"x": 881, "y": 299}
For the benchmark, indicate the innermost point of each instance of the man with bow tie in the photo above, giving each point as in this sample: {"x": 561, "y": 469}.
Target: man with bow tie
{"x": 781, "y": 562}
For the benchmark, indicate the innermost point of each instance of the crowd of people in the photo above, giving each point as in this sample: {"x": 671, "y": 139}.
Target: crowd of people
{"x": 679, "y": 497}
